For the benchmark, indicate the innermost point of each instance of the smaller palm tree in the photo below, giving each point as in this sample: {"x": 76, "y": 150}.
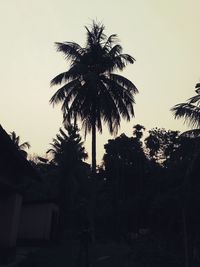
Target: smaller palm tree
{"x": 20, "y": 147}
{"x": 68, "y": 153}
{"x": 190, "y": 112}
{"x": 67, "y": 148}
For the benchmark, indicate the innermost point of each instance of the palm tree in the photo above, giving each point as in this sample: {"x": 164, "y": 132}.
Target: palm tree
{"x": 20, "y": 147}
{"x": 190, "y": 112}
{"x": 68, "y": 153}
{"x": 91, "y": 91}
{"x": 67, "y": 148}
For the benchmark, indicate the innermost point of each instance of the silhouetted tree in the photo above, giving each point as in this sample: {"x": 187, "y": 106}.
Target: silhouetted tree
{"x": 68, "y": 154}
{"x": 138, "y": 131}
{"x": 125, "y": 165}
{"x": 161, "y": 143}
{"x": 190, "y": 112}
{"x": 67, "y": 148}
{"x": 21, "y": 147}
{"x": 91, "y": 91}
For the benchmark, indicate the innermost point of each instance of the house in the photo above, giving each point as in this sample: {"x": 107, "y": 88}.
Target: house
{"x": 39, "y": 221}
{"x": 10, "y": 204}
{"x": 15, "y": 171}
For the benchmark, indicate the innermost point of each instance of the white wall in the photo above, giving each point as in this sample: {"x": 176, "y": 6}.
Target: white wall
{"x": 35, "y": 221}
{"x": 10, "y": 208}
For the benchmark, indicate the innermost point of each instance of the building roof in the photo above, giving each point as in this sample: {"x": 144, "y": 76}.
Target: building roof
{"x": 13, "y": 165}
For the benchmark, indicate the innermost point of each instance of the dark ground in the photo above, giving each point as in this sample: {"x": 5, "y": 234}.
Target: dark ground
{"x": 143, "y": 252}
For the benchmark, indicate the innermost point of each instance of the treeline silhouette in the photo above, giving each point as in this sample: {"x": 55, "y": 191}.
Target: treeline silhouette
{"x": 146, "y": 187}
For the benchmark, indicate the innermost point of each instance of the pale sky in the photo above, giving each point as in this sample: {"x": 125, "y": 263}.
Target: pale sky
{"x": 162, "y": 35}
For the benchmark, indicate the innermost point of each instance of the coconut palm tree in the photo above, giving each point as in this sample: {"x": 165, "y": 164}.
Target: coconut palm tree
{"x": 91, "y": 91}
{"x": 20, "y": 147}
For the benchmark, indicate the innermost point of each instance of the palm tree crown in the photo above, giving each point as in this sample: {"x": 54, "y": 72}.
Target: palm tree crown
{"x": 190, "y": 111}
{"x": 67, "y": 148}
{"x": 90, "y": 90}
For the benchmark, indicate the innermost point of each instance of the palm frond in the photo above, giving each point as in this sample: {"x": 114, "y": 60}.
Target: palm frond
{"x": 112, "y": 39}
{"x": 60, "y": 78}
{"x": 24, "y": 145}
{"x": 123, "y": 99}
{"x": 59, "y": 138}
{"x": 115, "y": 50}
{"x": 95, "y": 36}
{"x": 124, "y": 82}
{"x": 108, "y": 108}
{"x": 63, "y": 92}
{"x": 69, "y": 98}
{"x": 51, "y": 150}
{"x": 64, "y": 135}
{"x": 72, "y": 51}
{"x": 127, "y": 58}
{"x": 70, "y": 75}
{"x": 189, "y": 112}
{"x": 13, "y": 136}
{"x": 75, "y": 72}
{"x": 195, "y": 99}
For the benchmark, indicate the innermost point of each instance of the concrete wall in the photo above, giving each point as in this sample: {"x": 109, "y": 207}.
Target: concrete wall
{"x": 10, "y": 207}
{"x": 35, "y": 221}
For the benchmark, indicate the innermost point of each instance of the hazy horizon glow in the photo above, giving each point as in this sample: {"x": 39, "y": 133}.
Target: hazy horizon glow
{"x": 163, "y": 37}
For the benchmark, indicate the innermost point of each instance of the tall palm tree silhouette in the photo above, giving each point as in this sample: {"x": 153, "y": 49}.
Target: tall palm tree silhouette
{"x": 91, "y": 92}
{"x": 21, "y": 147}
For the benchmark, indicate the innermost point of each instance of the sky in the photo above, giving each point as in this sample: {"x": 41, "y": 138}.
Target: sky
{"x": 162, "y": 35}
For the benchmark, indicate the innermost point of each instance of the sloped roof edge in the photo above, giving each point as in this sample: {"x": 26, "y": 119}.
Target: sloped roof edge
{"x": 16, "y": 160}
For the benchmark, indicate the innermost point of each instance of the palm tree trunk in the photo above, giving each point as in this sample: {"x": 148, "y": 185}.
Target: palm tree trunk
{"x": 93, "y": 149}
{"x": 93, "y": 193}
{"x": 185, "y": 236}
